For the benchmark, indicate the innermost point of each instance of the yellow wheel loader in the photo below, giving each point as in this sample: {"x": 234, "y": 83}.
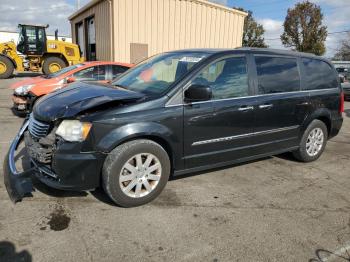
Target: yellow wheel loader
{"x": 35, "y": 53}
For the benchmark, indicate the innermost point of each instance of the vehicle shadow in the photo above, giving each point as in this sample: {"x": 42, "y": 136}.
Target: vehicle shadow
{"x": 325, "y": 255}
{"x": 347, "y": 112}
{"x": 287, "y": 156}
{"x": 173, "y": 178}
{"x": 26, "y": 74}
{"x": 8, "y": 253}
{"x": 101, "y": 195}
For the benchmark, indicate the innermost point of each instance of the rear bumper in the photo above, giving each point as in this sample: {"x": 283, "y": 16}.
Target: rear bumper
{"x": 70, "y": 169}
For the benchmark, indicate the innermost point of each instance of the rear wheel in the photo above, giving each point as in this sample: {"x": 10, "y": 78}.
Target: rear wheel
{"x": 136, "y": 172}
{"x": 313, "y": 142}
{"x": 6, "y": 67}
{"x": 52, "y": 65}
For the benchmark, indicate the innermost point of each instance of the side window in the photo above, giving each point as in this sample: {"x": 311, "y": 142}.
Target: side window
{"x": 318, "y": 74}
{"x": 94, "y": 73}
{"x": 117, "y": 70}
{"x": 277, "y": 74}
{"x": 228, "y": 78}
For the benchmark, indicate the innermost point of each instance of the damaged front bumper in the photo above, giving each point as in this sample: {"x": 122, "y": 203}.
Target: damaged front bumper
{"x": 70, "y": 168}
{"x": 18, "y": 184}
{"x": 20, "y": 103}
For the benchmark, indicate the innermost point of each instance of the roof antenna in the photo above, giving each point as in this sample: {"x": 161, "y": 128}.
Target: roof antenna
{"x": 56, "y": 34}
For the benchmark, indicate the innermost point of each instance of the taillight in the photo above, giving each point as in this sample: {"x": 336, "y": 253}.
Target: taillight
{"x": 341, "y": 106}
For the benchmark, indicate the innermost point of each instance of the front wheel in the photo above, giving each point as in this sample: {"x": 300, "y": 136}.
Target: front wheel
{"x": 313, "y": 142}
{"x": 135, "y": 173}
{"x": 52, "y": 65}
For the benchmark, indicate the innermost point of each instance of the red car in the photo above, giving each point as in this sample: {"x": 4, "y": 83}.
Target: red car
{"x": 27, "y": 91}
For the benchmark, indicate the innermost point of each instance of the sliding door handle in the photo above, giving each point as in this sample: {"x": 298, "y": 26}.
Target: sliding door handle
{"x": 266, "y": 106}
{"x": 246, "y": 108}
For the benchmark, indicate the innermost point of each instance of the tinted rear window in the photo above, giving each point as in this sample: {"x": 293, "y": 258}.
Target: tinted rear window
{"x": 277, "y": 74}
{"x": 319, "y": 75}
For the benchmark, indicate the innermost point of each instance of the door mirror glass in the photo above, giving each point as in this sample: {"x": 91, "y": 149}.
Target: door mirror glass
{"x": 198, "y": 93}
{"x": 70, "y": 80}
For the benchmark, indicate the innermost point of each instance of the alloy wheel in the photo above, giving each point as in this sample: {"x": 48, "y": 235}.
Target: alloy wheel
{"x": 314, "y": 141}
{"x": 140, "y": 175}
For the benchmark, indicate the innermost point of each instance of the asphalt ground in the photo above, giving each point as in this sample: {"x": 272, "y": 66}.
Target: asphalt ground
{"x": 274, "y": 209}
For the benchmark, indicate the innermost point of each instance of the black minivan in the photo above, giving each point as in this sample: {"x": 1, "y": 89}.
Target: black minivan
{"x": 176, "y": 113}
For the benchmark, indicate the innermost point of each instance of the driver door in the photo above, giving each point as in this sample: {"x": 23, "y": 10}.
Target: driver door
{"x": 219, "y": 130}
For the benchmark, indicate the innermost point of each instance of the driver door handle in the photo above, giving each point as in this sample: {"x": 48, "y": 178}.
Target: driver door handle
{"x": 266, "y": 106}
{"x": 246, "y": 108}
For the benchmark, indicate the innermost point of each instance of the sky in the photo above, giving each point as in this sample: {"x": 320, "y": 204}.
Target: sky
{"x": 52, "y": 12}
{"x": 270, "y": 13}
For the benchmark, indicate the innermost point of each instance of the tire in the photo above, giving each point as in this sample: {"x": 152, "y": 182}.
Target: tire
{"x": 304, "y": 153}
{"x": 52, "y": 61}
{"x": 115, "y": 172}
{"x": 6, "y": 67}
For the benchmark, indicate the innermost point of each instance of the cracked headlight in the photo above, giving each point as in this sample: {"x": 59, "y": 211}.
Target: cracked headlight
{"x": 73, "y": 130}
{"x": 23, "y": 90}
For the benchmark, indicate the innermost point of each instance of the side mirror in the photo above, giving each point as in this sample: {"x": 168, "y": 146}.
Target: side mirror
{"x": 70, "y": 80}
{"x": 198, "y": 93}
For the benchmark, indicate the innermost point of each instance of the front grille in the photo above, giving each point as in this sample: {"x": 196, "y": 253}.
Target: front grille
{"x": 36, "y": 128}
{"x": 37, "y": 151}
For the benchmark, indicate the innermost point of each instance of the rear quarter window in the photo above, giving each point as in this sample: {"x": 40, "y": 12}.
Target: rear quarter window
{"x": 318, "y": 74}
{"x": 277, "y": 74}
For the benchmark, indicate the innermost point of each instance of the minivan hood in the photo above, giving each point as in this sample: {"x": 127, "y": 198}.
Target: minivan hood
{"x": 79, "y": 97}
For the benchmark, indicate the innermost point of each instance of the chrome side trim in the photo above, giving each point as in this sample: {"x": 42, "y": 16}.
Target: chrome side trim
{"x": 229, "y": 138}
{"x": 243, "y": 97}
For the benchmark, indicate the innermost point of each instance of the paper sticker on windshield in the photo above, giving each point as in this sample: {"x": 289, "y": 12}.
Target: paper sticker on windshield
{"x": 191, "y": 59}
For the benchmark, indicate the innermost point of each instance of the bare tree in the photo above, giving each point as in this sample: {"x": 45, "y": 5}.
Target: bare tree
{"x": 344, "y": 51}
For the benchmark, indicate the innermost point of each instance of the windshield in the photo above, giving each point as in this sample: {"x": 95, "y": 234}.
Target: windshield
{"x": 156, "y": 74}
{"x": 63, "y": 71}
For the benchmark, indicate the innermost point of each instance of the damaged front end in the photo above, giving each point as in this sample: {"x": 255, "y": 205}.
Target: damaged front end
{"x": 65, "y": 158}
{"x": 19, "y": 184}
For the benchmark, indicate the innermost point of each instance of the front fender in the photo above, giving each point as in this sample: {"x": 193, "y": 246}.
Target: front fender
{"x": 136, "y": 130}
